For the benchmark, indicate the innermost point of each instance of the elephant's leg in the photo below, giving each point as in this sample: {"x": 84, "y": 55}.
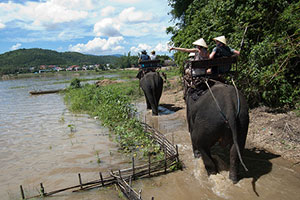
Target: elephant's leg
{"x": 155, "y": 111}
{"x": 209, "y": 164}
{"x": 200, "y": 148}
{"x": 154, "y": 105}
{"x": 234, "y": 159}
{"x": 147, "y": 102}
{"x": 234, "y": 164}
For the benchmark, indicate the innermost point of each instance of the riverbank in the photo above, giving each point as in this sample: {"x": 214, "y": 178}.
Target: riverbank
{"x": 278, "y": 133}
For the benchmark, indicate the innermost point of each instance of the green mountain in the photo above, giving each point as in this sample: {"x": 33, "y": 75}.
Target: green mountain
{"x": 22, "y": 59}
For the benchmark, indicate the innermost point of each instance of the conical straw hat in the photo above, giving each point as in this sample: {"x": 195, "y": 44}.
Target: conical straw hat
{"x": 221, "y": 39}
{"x": 201, "y": 43}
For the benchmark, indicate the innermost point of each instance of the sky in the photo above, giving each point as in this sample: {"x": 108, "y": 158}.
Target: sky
{"x": 97, "y": 27}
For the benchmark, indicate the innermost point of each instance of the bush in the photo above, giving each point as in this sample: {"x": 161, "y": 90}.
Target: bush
{"x": 269, "y": 73}
{"x": 75, "y": 83}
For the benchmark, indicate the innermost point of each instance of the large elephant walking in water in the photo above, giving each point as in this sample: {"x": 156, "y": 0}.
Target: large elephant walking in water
{"x": 152, "y": 86}
{"x": 219, "y": 115}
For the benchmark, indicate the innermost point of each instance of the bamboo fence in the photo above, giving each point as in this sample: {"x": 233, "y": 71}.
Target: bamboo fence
{"x": 167, "y": 164}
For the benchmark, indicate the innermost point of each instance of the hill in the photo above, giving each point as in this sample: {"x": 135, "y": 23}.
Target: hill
{"x": 22, "y": 59}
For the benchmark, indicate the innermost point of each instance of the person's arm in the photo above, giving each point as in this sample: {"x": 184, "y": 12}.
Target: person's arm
{"x": 236, "y": 52}
{"x": 183, "y": 49}
{"x": 211, "y": 56}
{"x": 213, "y": 53}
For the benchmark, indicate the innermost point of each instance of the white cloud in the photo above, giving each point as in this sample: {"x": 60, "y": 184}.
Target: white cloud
{"x": 16, "y": 46}
{"x": 2, "y": 25}
{"x": 126, "y": 1}
{"x": 162, "y": 47}
{"x": 129, "y": 15}
{"x": 107, "y": 27}
{"x": 50, "y": 13}
{"x": 140, "y": 47}
{"x": 37, "y": 15}
{"x": 75, "y": 4}
{"x": 98, "y": 45}
{"x": 107, "y": 11}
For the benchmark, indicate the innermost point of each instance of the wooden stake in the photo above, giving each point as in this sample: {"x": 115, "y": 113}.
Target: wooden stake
{"x": 42, "y": 190}
{"x": 149, "y": 163}
{"x": 80, "y": 182}
{"x": 101, "y": 177}
{"x": 140, "y": 194}
{"x": 177, "y": 154}
{"x": 22, "y": 192}
{"x": 173, "y": 138}
{"x": 165, "y": 159}
{"x": 120, "y": 174}
{"x": 133, "y": 170}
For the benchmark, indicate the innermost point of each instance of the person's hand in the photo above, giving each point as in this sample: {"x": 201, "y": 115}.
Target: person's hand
{"x": 172, "y": 48}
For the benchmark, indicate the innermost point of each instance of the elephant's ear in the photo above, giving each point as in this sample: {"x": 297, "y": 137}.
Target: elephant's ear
{"x": 139, "y": 75}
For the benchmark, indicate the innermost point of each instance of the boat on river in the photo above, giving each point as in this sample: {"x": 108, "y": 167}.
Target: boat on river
{"x": 45, "y": 91}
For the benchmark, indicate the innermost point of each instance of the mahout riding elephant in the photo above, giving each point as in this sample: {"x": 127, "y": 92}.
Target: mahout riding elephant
{"x": 152, "y": 86}
{"x": 220, "y": 115}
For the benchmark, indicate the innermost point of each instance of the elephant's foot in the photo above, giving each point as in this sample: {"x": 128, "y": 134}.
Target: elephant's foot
{"x": 233, "y": 177}
{"x": 211, "y": 171}
{"x": 154, "y": 113}
{"x": 197, "y": 154}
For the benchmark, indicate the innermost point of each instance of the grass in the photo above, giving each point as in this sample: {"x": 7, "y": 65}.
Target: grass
{"x": 112, "y": 105}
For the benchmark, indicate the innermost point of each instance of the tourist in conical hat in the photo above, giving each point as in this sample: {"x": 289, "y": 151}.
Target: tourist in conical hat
{"x": 221, "y": 49}
{"x": 201, "y": 51}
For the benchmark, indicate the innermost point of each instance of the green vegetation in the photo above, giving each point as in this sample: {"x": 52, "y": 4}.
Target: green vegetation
{"x": 112, "y": 105}
{"x": 19, "y": 61}
{"x": 75, "y": 83}
{"x": 269, "y": 72}
{"x": 30, "y": 60}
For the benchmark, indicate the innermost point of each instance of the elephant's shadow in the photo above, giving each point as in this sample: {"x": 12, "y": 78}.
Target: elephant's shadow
{"x": 166, "y": 109}
{"x": 257, "y": 161}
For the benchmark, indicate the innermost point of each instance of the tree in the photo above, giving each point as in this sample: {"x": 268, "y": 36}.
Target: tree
{"x": 270, "y": 55}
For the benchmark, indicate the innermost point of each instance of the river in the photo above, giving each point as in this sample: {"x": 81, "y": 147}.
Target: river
{"x": 41, "y": 141}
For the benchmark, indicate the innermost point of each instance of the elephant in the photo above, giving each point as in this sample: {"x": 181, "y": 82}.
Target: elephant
{"x": 219, "y": 114}
{"x": 152, "y": 86}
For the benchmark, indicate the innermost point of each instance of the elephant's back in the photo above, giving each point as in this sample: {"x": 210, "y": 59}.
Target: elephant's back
{"x": 222, "y": 99}
{"x": 152, "y": 77}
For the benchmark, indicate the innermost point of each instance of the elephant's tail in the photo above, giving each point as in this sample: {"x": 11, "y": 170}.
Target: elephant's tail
{"x": 232, "y": 125}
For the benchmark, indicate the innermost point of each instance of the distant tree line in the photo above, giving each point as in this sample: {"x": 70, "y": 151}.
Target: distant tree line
{"x": 21, "y": 60}
{"x": 269, "y": 72}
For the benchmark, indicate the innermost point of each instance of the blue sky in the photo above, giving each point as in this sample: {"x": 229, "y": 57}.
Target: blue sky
{"x": 98, "y": 27}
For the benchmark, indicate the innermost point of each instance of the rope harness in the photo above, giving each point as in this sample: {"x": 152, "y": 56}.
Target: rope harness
{"x": 217, "y": 104}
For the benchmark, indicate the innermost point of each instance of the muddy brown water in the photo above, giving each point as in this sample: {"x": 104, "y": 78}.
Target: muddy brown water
{"x": 41, "y": 141}
{"x": 269, "y": 176}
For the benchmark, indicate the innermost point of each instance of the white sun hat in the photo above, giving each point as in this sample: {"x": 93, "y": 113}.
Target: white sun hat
{"x": 192, "y": 54}
{"x": 221, "y": 39}
{"x": 201, "y": 43}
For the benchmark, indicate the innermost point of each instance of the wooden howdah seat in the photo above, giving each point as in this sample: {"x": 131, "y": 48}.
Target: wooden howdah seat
{"x": 150, "y": 64}
{"x": 218, "y": 65}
